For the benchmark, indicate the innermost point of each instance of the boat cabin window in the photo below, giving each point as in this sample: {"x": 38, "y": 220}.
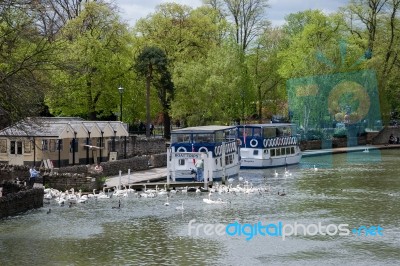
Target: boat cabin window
{"x": 257, "y": 132}
{"x": 292, "y": 150}
{"x": 199, "y": 138}
{"x": 288, "y": 151}
{"x": 181, "y": 162}
{"x": 180, "y": 138}
{"x": 286, "y": 131}
{"x": 272, "y": 152}
{"x": 244, "y": 132}
{"x": 269, "y": 132}
{"x": 255, "y": 152}
{"x": 230, "y": 135}
{"x": 283, "y": 151}
{"x": 278, "y": 152}
{"x": 266, "y": 151}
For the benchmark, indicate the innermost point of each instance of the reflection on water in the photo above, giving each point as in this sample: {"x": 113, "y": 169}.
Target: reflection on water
{"x": 357, "y": 189}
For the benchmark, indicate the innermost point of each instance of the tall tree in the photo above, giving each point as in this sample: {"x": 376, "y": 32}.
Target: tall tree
{"x": 25, "y": 57}
{"x": 152, "y": 64}
{"x": 374, "y": 26}
{"x": 92, "y": 65}
{"x": 249, "y": 18}
{"x": 214, "y": 89}
{"x": 263, "y": 65}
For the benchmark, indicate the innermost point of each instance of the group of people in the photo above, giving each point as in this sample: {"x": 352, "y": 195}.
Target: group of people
{"x": 142, "y": 128}
{"x": 394, "y": 140}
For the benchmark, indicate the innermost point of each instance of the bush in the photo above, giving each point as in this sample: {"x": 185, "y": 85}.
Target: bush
{"x": 314, "y": 135}
{"x": 340, "y": 132}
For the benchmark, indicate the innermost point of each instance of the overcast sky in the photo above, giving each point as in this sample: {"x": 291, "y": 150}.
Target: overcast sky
{"x": 132, "y": 10}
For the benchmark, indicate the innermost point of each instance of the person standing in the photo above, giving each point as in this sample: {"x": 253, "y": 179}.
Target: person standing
{"x": 200, "y": 170}
{"x": 33, "y": 174}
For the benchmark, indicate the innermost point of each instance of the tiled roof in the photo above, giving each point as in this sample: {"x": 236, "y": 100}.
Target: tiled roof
{"x": 54, "y": 126}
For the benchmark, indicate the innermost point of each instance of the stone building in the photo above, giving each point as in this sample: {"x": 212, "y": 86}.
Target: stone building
{"x": 60, "y": 141}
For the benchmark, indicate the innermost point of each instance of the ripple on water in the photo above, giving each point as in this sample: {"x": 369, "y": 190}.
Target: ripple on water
{"x": 144, "y": 231}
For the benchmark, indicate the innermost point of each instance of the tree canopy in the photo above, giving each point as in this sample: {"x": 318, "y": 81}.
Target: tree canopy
{"x": 222, "y": 62}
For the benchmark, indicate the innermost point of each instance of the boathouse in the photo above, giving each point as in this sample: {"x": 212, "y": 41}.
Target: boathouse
{"x": 60, "y": 141}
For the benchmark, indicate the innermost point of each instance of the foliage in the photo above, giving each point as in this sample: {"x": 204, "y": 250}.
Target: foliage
{"x": 25, "y": 58}
{"x": 152, "y": 64}
{"x": 214, "y": 89}
{"x": 93, "y": 63}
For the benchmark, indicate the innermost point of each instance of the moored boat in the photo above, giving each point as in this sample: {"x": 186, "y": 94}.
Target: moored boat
{"x": 215, "y": 145}
{"x": 268, "y": 145}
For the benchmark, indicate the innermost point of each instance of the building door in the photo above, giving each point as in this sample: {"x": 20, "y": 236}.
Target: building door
{"x": 16, "y": 153}
{"x": 73, "y": 152}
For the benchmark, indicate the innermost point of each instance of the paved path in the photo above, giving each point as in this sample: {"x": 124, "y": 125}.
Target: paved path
{"x": 150, "y": 175}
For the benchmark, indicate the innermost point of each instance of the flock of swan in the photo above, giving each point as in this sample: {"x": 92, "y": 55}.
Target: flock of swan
{"x": 244, "y": 187}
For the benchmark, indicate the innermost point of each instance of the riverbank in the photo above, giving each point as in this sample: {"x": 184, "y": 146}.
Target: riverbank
{"x": 160, "y": 173}
{"x": 366, "y": 148}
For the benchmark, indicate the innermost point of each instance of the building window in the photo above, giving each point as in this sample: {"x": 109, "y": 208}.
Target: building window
{"x": 59, "y": 144}
{"x": 3, "y": 146}
{"x": 71, "y": 146}
{"x": 45, "y": 145}
{"x": 16, "y": 147}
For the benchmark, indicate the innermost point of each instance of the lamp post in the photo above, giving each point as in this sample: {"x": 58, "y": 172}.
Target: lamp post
{"x": 121, "y": 91}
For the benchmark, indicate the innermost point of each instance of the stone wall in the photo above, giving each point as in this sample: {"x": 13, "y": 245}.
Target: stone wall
{"x": 12, "y": 172}
{"x": 12, "y": 203}
{"x": 135, "y": 164}
{"x": 76, "y": 181}
{"x": 334, "y": 143}
{"x": 138, "y": 145}
{"x": 384, "y": 134}
{"x": 158, "y": 160}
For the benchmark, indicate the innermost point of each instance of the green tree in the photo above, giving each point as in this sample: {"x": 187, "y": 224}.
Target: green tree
{"x": 25, "y": 58}
{"x": 152, "y": 64}
{"x": 216, "y": 89}
{"x": 94, "y": 62}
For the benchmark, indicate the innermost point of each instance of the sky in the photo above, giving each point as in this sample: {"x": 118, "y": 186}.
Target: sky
{"x": 132, "y": 10}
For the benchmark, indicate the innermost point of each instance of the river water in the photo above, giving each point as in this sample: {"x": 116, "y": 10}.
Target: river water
{"x": 357, "y": 189}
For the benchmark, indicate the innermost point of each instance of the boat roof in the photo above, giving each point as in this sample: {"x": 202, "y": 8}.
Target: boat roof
{"x": 202, "y": 129}
{"x": 268, "y": 125}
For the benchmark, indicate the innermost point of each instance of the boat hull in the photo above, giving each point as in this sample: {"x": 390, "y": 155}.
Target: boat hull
{"x": 217, "y": 175}
{"x": 254, "y": 163}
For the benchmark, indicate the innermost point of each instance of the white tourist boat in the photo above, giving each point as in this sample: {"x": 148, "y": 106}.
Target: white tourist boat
{"x": 215, "y": 145}
{"x": 268, "y": 145}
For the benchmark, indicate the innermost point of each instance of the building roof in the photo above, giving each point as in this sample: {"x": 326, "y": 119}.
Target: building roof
{"x": 64, "y": 127}
{"x": 201, "y": 129}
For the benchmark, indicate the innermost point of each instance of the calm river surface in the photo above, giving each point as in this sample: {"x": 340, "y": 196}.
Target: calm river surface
{"x": 355, "y": 189}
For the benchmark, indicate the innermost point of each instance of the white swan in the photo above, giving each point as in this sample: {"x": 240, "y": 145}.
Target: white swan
{"x": 210, "y": 201}
{"x": 180, "y": 208}
{"x": 166, "y": 203}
